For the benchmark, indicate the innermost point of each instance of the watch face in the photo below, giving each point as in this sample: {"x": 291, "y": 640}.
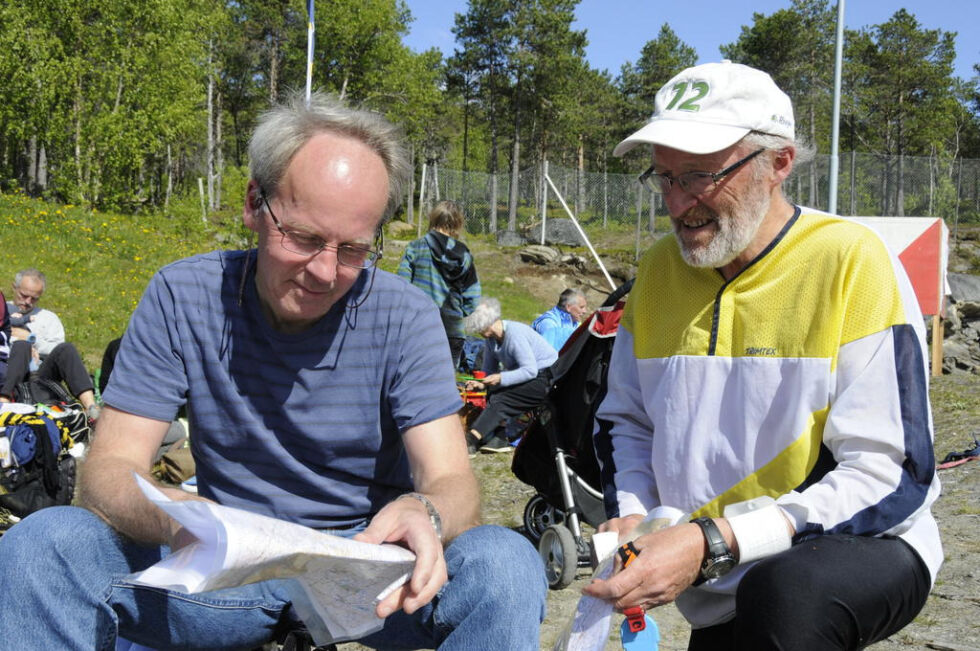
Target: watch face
{"x": 715, "y": 567}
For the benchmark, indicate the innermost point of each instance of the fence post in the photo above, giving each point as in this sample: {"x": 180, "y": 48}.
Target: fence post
{"x": 544, "y": 199}
{"x": 605, "y": 197}
{"x": 639, "y": 218}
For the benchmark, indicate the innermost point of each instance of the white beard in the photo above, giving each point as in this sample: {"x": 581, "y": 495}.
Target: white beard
{"x": 737, "y": 226}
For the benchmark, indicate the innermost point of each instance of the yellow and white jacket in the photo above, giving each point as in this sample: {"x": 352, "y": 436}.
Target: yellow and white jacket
{"x": 803, "y": 378}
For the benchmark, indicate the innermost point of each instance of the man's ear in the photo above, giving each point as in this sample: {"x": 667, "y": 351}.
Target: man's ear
{"x": 252, "y": 210}
{"x": 782, "y": 163}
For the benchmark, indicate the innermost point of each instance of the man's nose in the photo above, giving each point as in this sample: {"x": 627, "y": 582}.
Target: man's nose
{"x": 678, "y": 201}
{"x": 323, "y": 265}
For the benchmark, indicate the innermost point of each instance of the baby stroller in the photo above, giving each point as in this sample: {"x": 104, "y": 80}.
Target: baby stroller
{"x": 556, "y": 456}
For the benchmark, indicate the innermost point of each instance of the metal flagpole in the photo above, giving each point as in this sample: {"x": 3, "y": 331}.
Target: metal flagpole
{"x": 310, "y": 30}
{"x": 835, "y": 127}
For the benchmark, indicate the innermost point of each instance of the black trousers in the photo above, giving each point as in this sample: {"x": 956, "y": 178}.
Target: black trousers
{"x": 507, "y": 402}
{"x": 832, "y": 592}
{"x": 63, "y": 364}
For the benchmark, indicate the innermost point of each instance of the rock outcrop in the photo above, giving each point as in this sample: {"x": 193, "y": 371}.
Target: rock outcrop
{"x": 961, "y": 327}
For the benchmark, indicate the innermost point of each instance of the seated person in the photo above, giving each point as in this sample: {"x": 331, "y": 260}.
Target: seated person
{"x": 557, "y": 324}
{"x": 38, "y": 346}
{"x": 321, "y": 392}
{"x": 517, "y": 363}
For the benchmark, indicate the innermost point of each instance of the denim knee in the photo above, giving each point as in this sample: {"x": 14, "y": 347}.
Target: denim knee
{"x": 43, "y": 533}
{"x": 506, "y": 565}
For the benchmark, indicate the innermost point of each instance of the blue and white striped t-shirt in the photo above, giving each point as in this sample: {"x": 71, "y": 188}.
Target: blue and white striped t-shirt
{"x": 304, "y": 427}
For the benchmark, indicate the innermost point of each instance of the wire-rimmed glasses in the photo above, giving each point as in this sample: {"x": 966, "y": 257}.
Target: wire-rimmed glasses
{"x": 306, "y": 244}
{"x": 694, "y": 183}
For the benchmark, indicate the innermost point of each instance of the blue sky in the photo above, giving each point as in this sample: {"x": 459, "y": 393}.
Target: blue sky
{"x": 618, "y": 29}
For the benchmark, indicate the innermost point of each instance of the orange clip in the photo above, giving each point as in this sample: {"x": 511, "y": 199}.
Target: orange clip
{"x": 628, "y": 553}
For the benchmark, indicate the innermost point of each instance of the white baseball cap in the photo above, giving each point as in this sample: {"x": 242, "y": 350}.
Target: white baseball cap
{"x": 707, "y": 108}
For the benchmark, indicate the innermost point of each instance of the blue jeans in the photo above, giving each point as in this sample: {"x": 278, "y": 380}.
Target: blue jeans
{"x": 62, "y": 571}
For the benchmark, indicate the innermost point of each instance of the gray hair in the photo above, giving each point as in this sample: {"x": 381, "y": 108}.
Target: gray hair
{"x": 569, "y": 295}
{"x": 484, "y": 316}
{"x": 30, "y": 272}
{"x": 805, "y": 152}
{"x": 284, "y": 129}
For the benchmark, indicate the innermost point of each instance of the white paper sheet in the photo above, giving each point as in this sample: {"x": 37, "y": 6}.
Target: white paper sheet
{"x": 589, "y": 627}
{"x": 342, "y": 579}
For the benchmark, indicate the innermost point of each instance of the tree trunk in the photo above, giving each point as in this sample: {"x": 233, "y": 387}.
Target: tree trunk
{"x": 170, "y": 177}
{"x": 209, "y": 172}
{"x": 77, "y": 145}
{"x": 410, "y": 199}
{"x": 493, "y": 202}
{"x": 274, "y": 68}
{"x": 31, "y": 156}
{"x": 435, "y": 180}
{"x": 813, "y": 164}
{"x": 42, "y": 167}
{"x": 219, "y": 156}
{"x": 515, "y": 171}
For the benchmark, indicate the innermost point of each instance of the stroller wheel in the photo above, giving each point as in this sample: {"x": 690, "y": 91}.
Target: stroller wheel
{"x": 539, "y": 515}
{"x": 560, "y": 555}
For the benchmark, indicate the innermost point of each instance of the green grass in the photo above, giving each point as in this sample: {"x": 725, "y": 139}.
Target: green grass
{"x": 97, "y": 264}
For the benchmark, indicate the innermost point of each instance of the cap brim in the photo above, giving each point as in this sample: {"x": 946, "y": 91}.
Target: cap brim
{"x": 684, "y": 135}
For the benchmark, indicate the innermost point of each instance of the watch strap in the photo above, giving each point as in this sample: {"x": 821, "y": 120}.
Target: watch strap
{"x": 717, "y": 547}
{"x": 430, "y": 508}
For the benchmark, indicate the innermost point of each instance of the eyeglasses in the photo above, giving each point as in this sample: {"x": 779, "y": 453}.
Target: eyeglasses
{"x": 305, "y": 244}
{"x": 694, "y": 183}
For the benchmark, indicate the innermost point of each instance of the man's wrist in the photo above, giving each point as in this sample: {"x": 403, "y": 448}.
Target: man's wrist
{"x": 430, "y": 508}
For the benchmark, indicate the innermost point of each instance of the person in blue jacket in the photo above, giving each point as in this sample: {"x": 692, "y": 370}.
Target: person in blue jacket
{"x": 557, "y": 324}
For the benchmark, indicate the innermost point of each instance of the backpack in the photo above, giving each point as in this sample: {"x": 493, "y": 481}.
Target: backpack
{"x": 36, "y": 471}
{"x": 42, "y": 390}
{"x": 51, "y": 398}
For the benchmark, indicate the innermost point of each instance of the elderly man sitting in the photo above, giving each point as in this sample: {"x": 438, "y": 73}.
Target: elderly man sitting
{"x": 557, "y": 324}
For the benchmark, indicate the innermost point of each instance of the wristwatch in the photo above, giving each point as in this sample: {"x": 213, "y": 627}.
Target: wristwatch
{"x": 430, "y": 508}
{"x": 720, "y": 559}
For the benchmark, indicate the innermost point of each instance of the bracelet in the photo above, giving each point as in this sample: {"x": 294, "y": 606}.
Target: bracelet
{"x": 430, "y": 508}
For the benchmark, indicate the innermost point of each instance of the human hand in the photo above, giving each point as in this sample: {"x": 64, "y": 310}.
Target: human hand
{"x": 406, "y": 522}
{"x": 669, "y": 561}
{"x": 492, "y": 380}
{"x": 179, "y": 536}
{"x": 623, "y": 526}
{"x": 473, "y": 385}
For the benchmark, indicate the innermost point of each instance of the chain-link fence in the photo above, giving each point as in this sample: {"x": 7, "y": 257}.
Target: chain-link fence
{"x": 868, "y": 184}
